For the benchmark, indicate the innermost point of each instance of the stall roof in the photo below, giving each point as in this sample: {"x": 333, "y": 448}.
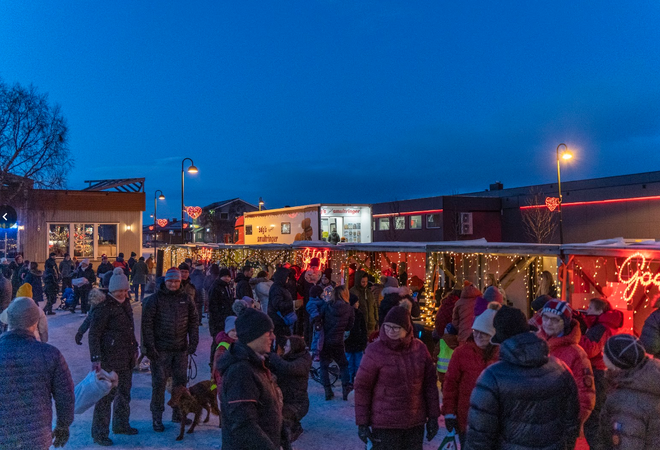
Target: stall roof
{"x": 612, "y": 247}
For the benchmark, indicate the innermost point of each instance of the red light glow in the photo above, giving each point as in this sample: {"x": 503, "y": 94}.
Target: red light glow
{"x": 598, "y": 202}
{"x": 410, "y": 213}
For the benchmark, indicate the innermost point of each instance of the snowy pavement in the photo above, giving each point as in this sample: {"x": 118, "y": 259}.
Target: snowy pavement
{"x": 328, "y": 425}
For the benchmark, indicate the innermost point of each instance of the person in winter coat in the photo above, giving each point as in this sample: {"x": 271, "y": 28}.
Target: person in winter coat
{"x": 119, "y": 262}
{"x": 50, "y": 289}
{"x": 211, "y": 277}
{"x": 368, "y": 304}
{"x": 131, "y": 261}
{"x": 34, "y": 278}
{"x": 221, "y": 299}
{"x": 356, "y": 342}
{"x": 96, "y": 297}
{"x": 223, "y": 341}
{"x": 602, "y": 322}
{"x": 280, "y": 306}
{"x": 113, "y": 347}
{"x": 197, "y": 278}
{"x": 491, "y": 294}
{"x": 41, "y": 333}
{"x": 650, "y": 337}
{"x": 444, "y": 314}
{"x": 33, "y": 374}
{"x": 292, "y": 372}
{"x": 170, "y": 333}
{"x": 16, "y": 281}
{"x": 465, "y": 366}
{"x": 104, "y": 267}
{"x": 81, "y": 293}
{"x": 186, "y": 284}
{"x": 326, "y": 279}
{"x": 52, "y": 262}
{"x": 563, "y": 335}
{"x": 261, "y": 287}
{"x": 463, "y": 314}
{"x": 527, "y": 400}
{"x": 66, "y": 271}
{"x": 243, "y": 288}
{"x": 392, "y": 296}
{"x": 338, "y": 317}
{"x": 314, "y": 307}
{"x": 251, "y": 402}
{"x": 307, "y": 279}
{"x": 631, "y": 414}
{"x": 390, "y": 411}
{"x": 140, "y": 273}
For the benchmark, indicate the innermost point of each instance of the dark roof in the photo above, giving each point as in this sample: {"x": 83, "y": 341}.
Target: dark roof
{"x": 225, "y": 202}
{"x": 119, "y": 184}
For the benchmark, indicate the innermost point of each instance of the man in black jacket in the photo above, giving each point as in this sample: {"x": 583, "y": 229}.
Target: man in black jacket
{"x": 113, "y": 347}
{"x": 251, "y": 404}
{"x": 103, "y": 268}
{"x": 221, "y": 299}
{"x": 243, "y": 288}
{"x": 526, "y": 400}
{"x": 169, "y": 334}
{"x": 280, "y": 306}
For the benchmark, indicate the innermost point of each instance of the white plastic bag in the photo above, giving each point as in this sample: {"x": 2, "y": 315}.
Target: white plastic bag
{"x": 79, "y": 282}
{"x": 93, "y": 388}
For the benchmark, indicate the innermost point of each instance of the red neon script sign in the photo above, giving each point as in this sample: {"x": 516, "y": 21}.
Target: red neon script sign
{"x": 310, "y": 253}
{"x": 642, "y": 276}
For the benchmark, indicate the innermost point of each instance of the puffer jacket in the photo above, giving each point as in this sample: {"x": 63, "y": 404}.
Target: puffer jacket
{"x": 395, "y": 386}
{"x": 357, "y": 340}
{"x": 221, "y": 298}
{"x": 526, "y": 401}
{"x": 444, "y": 315}
{"x": 33, "y": 277}
{"x": 251, "y": 401}
{"x": 169, "y": 321}
{"x": 222, "y": 341}
{"x": 338, "y": 317}
{"x": 32, "y": 374}
{"x": 292, "y": 372}
{"x": 599, "y": 330}
{"x": 631, "y": 415}
{"x": 391, "y": 298}
{"x": 368, "y": 306}
{"x": 650, "y": 336}
{"x": 280, "y": 300}
{"x": 261, "y": 289}
{"x": 567, "y": 349}
{"x": 112, "y": 335}
{"x": 465, "y": 366}
{"x": 463, "y": 315}
{"x": 243, "y": 288}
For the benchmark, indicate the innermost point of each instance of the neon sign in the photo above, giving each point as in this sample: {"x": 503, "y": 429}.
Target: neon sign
{"x": 642, "y": 276}
{"x": 162, "y": 222}
{"x": 552, "y": 203}
{"x": 194, "y": 211}
{"x": 310, "y": 253}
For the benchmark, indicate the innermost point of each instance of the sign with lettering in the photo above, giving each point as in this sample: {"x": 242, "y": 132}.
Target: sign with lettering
{"x": 635, "y": 272}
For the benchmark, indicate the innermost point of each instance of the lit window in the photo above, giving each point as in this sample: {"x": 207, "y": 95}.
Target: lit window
{"x": 248, "y": 230}
{"x": 83, "y": 240}
{"x": 384, "y": 223}
{"x": 58, "y": 239}
{"x": 416, "y": 222}
{"x": 399, "y": 223}
{"x": 107, "y": 240}
{"x": 433, "y": 221}
{"x": 285, "y": 228}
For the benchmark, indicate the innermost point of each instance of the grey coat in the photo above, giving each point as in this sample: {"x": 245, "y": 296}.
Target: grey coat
{"x": 140, "y": 272}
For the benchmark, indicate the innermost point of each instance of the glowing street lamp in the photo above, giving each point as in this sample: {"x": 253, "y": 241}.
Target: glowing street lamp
{"x": 191, "y": 169}
{"x": 155, "y": 215}
{"x": 565, "y": 155}
{"x": 261, "y": 203}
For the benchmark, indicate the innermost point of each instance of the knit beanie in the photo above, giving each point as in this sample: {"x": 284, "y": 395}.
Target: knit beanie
{"x": 493, "y": 294}
{"x": 484, "y": 321}
{"x": 353, "y": 299}
{"x": 224, "y": 272}
{"x": 252, "y": 324}
{"x": 230, "y": 323}
{"x": 315, "y": 291}
{"x": 391, "y": 282}
{"x": 314, "y": 262}
{"x": 559, "y": 308}
{"x": 173, "y": 274}
{"x": 22, "y": 313}
{"x": 184, "y": 266}
{"x": 508, "y": 322}
{"x": 118, "y": 281}
{"x": 624, "y": 351}
{"x": 399, "y": 316}
{"x": 24, "y": 291}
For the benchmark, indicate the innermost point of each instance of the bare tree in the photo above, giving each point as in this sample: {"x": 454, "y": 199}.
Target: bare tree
{"x": 33, "y": 141}
{"x": 538, "y": 219}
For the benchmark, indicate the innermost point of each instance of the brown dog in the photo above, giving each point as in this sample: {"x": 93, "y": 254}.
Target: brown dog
{"x": 193, "y": 400}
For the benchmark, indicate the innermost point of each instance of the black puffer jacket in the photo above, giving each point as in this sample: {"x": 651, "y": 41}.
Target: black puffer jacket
{"x": 338, "y": 317}
{"x": 221, "y": 300}
{"x": 243, "y": 288}
{"x": 279, "y": 299}
{"x": 112, "y": 335}
{"x": 357, "y": 340}
{"x": 650, "y": 336}
{"x": 292, "y": 372}
{"x": 251, "y": 401}
{"x": 527, "y": 400}
{"x": 169, "y": 321}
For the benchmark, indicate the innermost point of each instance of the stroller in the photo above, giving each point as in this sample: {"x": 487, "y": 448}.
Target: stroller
{"x": 67, "y": 299}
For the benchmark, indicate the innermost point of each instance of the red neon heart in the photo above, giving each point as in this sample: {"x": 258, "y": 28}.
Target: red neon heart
{"x": 194, "y": 211}
{"x": 162, "y": 222}
{"x": 552, "y": 203}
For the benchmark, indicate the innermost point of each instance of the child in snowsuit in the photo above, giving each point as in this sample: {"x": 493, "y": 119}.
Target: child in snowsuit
{"x": 314, "y": 306}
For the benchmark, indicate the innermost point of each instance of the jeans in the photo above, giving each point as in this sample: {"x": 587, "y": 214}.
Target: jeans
{"x": 354, "y": 360}
{"x": 398, "y": 439}
{"x": 121, "y": 398}
{"x": 138, "y": 289}
{"x": 592, "y": 425}
{"x": 315, "y": 343}
{"x": 334, "y": 352}
{"x": 168, "y": 364}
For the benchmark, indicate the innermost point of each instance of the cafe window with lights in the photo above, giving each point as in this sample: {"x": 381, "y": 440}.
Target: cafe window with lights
{"x": 416, "y": 222}
{"x": 399, "y": 223}
{"x": 433, "y": 221}
{"x": 83, "y": 240}
{"x": 58, "y": 239}
{"x": 384, "y": 223}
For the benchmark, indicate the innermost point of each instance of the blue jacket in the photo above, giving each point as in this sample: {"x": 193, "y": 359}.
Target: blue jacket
{"x": 314, "y": 307}
{"x": 32, "y": 372}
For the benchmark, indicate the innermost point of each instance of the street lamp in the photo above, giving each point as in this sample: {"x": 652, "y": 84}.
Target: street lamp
{"x": 191, "y": 169}
{"x": 565, "y": 155}
{"x": 261, "y": 203}
{"x": 155, "y": 216}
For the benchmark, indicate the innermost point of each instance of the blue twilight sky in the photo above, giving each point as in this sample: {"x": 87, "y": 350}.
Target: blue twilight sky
{"x": 342, "y": 101}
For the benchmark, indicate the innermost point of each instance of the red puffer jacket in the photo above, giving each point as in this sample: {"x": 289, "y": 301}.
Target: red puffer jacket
{"x": 395, "y": 386}
{"x": 465, "y": 366}
{"x": 600, "y": 329}
{"x": 566, "y": 349}
{"x": 463, "y": 315}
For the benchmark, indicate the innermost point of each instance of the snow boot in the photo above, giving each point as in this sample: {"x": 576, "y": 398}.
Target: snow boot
{"x": 345, "y": 390}
{"x": 329, "y": 395}
{"x": 157, "y": 423}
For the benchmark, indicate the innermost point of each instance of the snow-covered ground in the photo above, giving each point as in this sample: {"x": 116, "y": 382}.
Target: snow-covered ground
{"x": 328, "y": 425}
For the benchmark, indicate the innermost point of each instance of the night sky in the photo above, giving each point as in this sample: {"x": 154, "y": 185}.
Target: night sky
{"x": 342, "y": 101}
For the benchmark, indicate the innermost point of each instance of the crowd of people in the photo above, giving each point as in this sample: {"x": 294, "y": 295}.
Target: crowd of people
{"x": 507, "y": 382}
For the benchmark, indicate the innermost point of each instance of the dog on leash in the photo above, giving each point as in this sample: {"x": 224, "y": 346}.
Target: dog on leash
{"x": 200, "y": 396}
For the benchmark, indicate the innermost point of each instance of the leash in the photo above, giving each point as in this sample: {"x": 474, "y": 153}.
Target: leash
{"x": 192, "y": 368}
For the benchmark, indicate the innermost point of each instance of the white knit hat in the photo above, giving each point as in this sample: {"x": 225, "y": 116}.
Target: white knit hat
{"x": 484, "y": 322}
{"x": 118, "y": 281}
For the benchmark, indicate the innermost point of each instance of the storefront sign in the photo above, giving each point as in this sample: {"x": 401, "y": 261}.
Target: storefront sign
{"x": 341, "y": 211}
{"x": 641, "y": 276}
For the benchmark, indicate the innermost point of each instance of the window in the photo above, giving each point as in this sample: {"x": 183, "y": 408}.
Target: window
{"x": 416, "y": 222}
{"x": 83, "y": 240}
{"x": 433, "y": 221}
{"x": 373, "y": 225}
{"x": 107, "y": 240}
{"x": 286, "y": 228}
{"x": 224, "y": 216}
{"x": 399, "y": 223}
{"x": 384, "y": 223}
{"x": 58, "y": 239}
{"x": 248, "y": 230}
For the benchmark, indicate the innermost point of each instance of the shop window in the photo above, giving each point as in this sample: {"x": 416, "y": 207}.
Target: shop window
{"x": 107, "y": 240}
{"x": 224, "y": 216}
{"x": 433, "y": 221}
{"x": 58, "y": 239}
{"x": 285, "y": 228}
{"x": 384, "y": 223}
{"x": 83, "y": 240}
{"x": 373, "y": 225}
{"x": 248, "y": 230}
{"x": 416, "y": 222}
{"x": 399, "y": 223}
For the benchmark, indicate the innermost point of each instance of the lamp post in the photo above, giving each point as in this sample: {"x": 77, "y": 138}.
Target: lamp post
{"x": 566, "y": 155}
{"x": 191, "y": 169}
{"x": 261, "y": 203}
{"x": 156, "y": 198}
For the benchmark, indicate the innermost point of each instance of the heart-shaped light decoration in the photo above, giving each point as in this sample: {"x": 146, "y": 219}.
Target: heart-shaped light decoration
{"x": 552, "y": 203}
{"x": 194, "y": 211}
{"x": 151, "y": 227}
{"x": 162, "y": 222}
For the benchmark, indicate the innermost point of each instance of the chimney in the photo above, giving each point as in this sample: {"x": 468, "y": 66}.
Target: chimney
{"x": 497, "y": 186}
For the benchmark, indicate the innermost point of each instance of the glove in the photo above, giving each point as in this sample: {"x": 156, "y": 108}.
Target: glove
{"x": 191, "y": 350}
{"x": 431, "y": 428}
{"x": 451, "y": 423}
{"x": 60, "y": 437}
{"x": 364, "y": 432}
{"x": 79, "y": 337}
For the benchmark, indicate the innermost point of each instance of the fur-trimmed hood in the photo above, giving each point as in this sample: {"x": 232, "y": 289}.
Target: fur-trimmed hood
{"x": 402, "y": 291}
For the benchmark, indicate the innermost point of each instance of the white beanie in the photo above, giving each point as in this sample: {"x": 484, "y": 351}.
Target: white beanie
{"x": 118, "y": 281}
{"x": 484, "y": 322}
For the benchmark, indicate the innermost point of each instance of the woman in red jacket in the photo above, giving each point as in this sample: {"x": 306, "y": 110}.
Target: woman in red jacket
{"x": 465, "y": 366}
{"x": 395, "y": 388}
{"x": 563, "y": 334}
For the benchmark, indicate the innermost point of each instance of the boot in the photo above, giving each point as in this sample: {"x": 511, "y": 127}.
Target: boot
{"x": 329, "y": 395}
{"x": 345, "y": 390}
{"x": 157, "y": 423}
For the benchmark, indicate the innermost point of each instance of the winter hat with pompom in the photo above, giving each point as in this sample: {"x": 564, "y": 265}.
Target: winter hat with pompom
{"x": 399, "y": 316}
{"x": 484, "y": 321}
{"x": 118, "y": 281}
